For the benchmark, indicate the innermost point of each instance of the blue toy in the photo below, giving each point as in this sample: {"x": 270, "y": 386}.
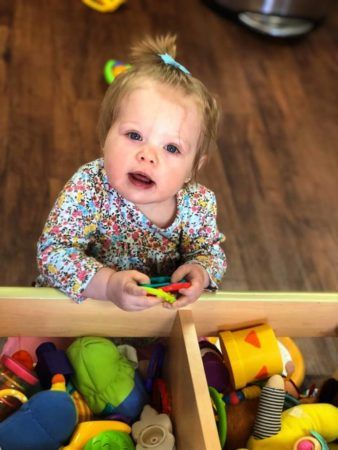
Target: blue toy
{"x": 45, "y": 422}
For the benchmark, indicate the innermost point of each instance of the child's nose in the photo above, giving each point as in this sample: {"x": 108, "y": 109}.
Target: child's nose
{"x": 147, "y": 155}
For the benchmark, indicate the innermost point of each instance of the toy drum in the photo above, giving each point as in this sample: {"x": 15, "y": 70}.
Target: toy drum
{"x": 251, "y": 354}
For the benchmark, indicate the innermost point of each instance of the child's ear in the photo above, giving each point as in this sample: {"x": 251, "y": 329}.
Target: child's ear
{"x": 201, "y": 162}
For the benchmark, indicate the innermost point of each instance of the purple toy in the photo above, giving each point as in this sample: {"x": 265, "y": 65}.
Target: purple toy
{"x": 214, "y": 367}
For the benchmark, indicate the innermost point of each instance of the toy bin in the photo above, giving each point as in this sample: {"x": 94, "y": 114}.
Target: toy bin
{"x": 47, "y": 312}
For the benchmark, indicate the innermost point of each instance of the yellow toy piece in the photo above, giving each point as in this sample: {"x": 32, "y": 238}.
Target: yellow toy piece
{"x": 104, "y": 5}
{"x": 86, "y": 430}
{"x": 13, "y": 393}
{"x": 157, "y": 292}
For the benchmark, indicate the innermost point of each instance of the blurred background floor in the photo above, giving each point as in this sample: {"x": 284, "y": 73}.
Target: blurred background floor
{"x": 275, "y": 175}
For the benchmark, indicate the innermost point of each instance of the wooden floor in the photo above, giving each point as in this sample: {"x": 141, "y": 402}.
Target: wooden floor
{"x": 275, "y": 175}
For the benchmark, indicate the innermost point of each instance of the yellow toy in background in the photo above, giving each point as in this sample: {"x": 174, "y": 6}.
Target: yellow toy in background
{"x": 293, "y": 428}
{"x": 104, "y": 6}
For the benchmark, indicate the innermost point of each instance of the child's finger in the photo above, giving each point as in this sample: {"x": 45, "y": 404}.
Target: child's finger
{"x": 140, "y": 277}
{"x": 133, "y": 289}
{"x": 180, "y": 273}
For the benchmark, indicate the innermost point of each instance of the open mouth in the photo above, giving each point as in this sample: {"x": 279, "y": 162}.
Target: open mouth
{"x": 141, "y": 180}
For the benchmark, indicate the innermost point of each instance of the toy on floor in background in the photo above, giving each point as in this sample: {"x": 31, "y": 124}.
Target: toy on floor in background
{"x": 153, "y": 431}
{"x": 51, "y": 361}
{"x": 104, "y": 6}
{"x": 107, "y": 380}
{"x": 162, "y": 287}
{"x": 250, "y": 354}
{"x": 45, "y": 422}
{"x": 291, "y": 429}
{"x": 113, "y": 68}
{"x": 88, "y": 430}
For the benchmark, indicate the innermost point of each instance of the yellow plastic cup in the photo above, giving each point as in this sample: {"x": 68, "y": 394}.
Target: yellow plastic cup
{"x": 251, "y": 354}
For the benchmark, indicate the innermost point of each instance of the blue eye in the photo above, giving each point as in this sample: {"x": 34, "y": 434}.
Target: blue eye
{"x": 172, "y": 148}
{"x": 134, "y": 136}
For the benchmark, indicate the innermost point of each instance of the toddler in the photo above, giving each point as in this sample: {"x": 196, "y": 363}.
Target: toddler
{"x": 138, "y": 211}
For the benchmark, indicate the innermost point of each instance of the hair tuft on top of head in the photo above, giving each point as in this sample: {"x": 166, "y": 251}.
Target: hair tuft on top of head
{"x": 147, "y": 51}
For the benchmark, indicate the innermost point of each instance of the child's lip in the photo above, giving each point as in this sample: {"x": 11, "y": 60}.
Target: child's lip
{"x": 140, "y": 179}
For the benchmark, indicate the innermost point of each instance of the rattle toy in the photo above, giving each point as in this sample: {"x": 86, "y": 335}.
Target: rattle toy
{"x": 113, "y": 68}
{"x": 103, "y": 5}
{"x": 153, "y": 431}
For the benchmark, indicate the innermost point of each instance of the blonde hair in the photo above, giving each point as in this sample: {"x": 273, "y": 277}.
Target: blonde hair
{"x": 147, "y": 64}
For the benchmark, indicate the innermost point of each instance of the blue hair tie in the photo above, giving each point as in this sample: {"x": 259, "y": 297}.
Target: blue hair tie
{"x": 167, "y": 59}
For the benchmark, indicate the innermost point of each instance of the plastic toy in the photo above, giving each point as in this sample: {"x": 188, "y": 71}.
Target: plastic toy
{"x": 87, "y": 430}
{"x": 220, "y": 414}
{"x": 51, "y": 361}
{"x": 160, "y": 398}
{"x": 110, "y": 440}
{"x": 24, "y": 358}
{"x": 158, "y": 292}
{"x": 291, "y": 353}
{"x": 162, "y": 287}
{"x": 113, "y": 68}
{"x": 248, "y": 392}
{"x": 215, "y": 370}
{"x": 13, "y": 375}
{"x": 10, "y": 401}
{"x": 84, "y": 413}
{"x": 44, "y": 422}
{"x": 251, "y": 354}
{"x": 104, "y": 6}
{"x": 155, "y": 365}
{"x": 289, "y": 430}
{"x": 153, "y": 431}
{"x": 107, "y": 380}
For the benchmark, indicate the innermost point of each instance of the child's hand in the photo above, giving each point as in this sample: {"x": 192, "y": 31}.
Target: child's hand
{"x": 199, "y": 279}
{"x": 123, "y": 290}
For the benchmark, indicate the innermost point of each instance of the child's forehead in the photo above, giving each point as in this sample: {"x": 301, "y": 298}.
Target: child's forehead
{"x": 147, "y": 93}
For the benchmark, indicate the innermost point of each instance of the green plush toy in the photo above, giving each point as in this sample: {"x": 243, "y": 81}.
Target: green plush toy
{"x": 107, "y": 379}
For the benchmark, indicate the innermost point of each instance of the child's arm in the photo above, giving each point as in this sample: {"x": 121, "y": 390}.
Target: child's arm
{"x": 204, "y": 261}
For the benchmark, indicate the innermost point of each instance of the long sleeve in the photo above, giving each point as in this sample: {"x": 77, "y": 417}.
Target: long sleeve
{"x": 61, "y": 249}
{"x": 201, "y": 239}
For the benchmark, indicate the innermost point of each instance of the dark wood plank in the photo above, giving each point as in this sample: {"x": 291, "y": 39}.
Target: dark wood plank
{"x": 275, "y": 174}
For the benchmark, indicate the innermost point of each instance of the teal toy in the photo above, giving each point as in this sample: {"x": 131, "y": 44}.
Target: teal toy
{"x": 107, "y": 379}
{"x": 45, "y": 422}
{"x": 110, "y": 440}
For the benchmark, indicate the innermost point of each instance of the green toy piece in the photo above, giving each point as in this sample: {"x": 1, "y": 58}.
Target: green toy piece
{"x": 110, "y": 440}
{"x": 220, "y": 414}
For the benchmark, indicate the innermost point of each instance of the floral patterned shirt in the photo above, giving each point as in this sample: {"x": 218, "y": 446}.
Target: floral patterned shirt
{"x": 91, "y": 226}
